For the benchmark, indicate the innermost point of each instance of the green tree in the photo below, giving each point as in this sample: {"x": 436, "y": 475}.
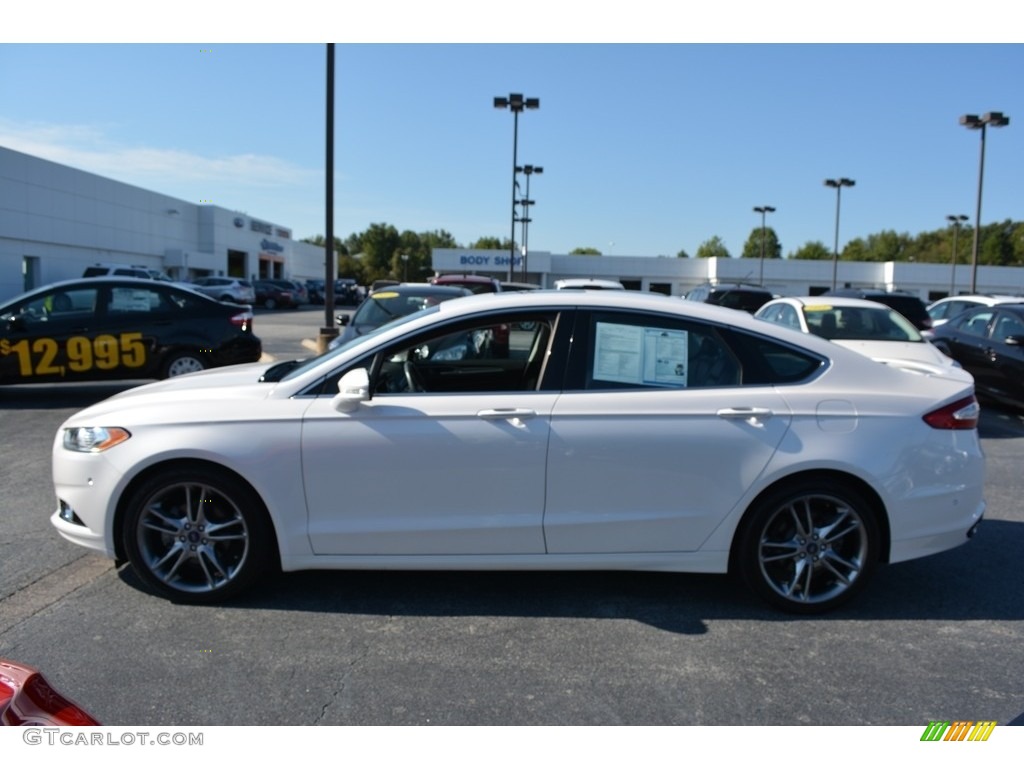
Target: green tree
{"x": 997, "y": 244}
{"x": 713, "y": 249}
{"x": 491, "y": 244}
{"x": 585, "y": 252}
{"x": 682, "y": 255}
{"x": 812, "y": 251}
{"x": 379, "y": 245}
{"x": 772, "y": 247}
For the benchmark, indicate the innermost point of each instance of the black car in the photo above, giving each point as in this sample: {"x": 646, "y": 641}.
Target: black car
{"x": 391, "y": 303}
{"x": 908, "y": 305}
{"x": 346, "y": 292}
{"x": 989, "y": 343}
{"x": 298, "y": 291}
{"x": 316, "y": 291}
{"x": 119, "y": 328}
{"x": 748, "y": 298}
{"x": 273, "y": 296}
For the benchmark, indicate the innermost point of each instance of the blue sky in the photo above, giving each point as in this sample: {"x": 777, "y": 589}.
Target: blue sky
{"x": 647, "y": 147}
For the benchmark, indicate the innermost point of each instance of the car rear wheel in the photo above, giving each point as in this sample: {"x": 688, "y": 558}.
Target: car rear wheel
{"x": 181, "y": 363}
{"x": 809, "y": 547}
{"x": 196, "y": 535}
{"x": 270, "y": 304}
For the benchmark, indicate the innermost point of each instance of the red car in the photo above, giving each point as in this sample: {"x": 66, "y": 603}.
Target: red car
{"x": 26, "y": 698}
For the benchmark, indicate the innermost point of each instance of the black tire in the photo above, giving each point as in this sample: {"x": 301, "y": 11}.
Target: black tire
{"x": 270, "y": 303}
{"x": 180, "y": 363}
{"x": 196, "y": 535}
{"x": 808, "y": 547}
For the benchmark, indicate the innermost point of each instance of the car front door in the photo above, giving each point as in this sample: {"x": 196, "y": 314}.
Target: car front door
{"x": 50, "y": 337}
{"x": 1000, "y": 367}
{"x": 447, "y": 458}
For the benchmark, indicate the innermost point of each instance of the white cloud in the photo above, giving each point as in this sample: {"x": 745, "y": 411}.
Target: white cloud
{"x": 163, "y": 170}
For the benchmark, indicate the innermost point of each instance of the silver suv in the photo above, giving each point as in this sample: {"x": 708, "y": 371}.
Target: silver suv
{"x": 226, "y": 289}
{"x": 100, "y": 269}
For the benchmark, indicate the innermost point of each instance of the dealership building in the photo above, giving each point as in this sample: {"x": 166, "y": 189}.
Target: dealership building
{"x": 56, "y": 220}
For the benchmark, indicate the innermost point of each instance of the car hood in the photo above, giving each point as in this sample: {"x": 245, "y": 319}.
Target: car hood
{"x": 232, "y": 383}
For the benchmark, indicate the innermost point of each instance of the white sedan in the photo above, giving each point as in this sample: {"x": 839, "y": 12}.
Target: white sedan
{"x": 868, "y": 327}
{"x": 614, "y": 430}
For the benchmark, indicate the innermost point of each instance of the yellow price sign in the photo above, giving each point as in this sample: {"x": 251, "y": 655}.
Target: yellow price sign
{"x": 104, "y": 352}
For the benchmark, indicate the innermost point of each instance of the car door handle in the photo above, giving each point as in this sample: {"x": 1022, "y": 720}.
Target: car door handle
{"x": 751, "y": 415}
{"x": 514, "y": 416}
{"x": 506, "y": 413}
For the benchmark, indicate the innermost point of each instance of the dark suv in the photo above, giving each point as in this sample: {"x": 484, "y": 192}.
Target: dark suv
{"x": 748, "y": 298}
{"x": 906, "y": 304}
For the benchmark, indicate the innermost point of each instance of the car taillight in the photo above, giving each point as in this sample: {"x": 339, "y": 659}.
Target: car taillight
{"x": 963, "y": 414}
{"x": 243, "y": 320}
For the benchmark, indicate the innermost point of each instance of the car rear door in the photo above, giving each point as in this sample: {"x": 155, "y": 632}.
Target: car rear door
{"x": 657, "y": 441}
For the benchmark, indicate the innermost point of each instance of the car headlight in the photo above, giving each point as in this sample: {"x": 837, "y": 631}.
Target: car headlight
{"x": 94, "y": 439}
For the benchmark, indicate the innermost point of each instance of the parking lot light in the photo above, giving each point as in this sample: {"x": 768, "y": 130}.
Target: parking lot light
{"x": 956, "y": 220}
{"x": 838, "y": 184}
{"x": 973, "y": 122}
{"x": 515, "y": 102}
{"x": 763, "y": 209}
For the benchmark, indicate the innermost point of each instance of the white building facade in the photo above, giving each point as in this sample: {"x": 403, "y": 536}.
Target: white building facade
{"x": 56, "y": 220}
{"x": 784, "y": 277}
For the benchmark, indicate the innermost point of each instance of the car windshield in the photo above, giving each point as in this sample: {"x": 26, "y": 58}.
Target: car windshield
{"x": 384, "y": 306}
{"x": 859, "y": 323}
{"x": 305, "y": 365}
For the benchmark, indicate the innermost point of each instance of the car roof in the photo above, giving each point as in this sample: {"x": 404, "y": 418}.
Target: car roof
{"x": 982, "y": 298}
{"x": 832, "y": 301}
{"x": 104, "y": 280}
{"x": 464, "y": 278}
{"x": 584, "y": 283}
{"x": 422, "y": 289}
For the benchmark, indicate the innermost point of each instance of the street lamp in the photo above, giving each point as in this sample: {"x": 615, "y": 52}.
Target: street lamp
{"x": 405, "y": 267}
{"x": 517, "y": 103}
{"x": 763, "y": 209}
{"x": 996, "y": 120}
{"x": 956, "y": 220}
{"x": 838, "y": 184}
{"x": 526, "y": 202}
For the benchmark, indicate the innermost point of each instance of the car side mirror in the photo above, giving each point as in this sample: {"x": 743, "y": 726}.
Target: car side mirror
{"x": 353, "y": 389}
{"x": 15, "y": 323}
{"x": 341, "y": 320}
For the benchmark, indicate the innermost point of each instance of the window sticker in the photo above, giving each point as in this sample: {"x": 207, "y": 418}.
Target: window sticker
{"x": 129, "y": 300}
{"x": 631, "y": 354}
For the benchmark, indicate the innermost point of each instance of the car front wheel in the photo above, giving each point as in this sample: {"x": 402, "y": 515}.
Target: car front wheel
{"x": 809, "y": 547}
{"x": 196, "y": 535}
{"x": 181, "y": 363}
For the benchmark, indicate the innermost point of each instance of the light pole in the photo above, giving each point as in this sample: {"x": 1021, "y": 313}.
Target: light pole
{"x": 405, "y": 267}
{"x": 956, "y": 220}
{"x": 526, "y": 202}
{"x": 996, "y": 120}
{"x": 838, "y": 184}
{"x": 763, "y": 209}
{"x": 517, "y": 103}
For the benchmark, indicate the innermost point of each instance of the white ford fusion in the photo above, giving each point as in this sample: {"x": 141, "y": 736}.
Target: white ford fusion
{"x": 873, "y": 329}
{"x": 541, "y": 430}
